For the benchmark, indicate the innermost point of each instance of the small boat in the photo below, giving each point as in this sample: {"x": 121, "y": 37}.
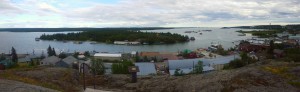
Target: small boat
{"x": 192, "y": 38}
{"x": 37, "y": 39}
{"x": 242, "y": 34}
{"x": 200, "y": 33}
{"x": 77, "y": 42}
{"x": 207, "y": 30}
{"x": 93, "y": 43}
{"x": 188, "y": 31}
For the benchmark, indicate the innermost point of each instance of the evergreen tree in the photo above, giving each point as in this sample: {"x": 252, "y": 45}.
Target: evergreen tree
{"x": 42, "y": 56}
{"x": 199, "y": 67}
{"x": 62, "y": 55}
{"x": 2, "y": 57}
{"x": 14, "y": 56}
{"x": 53, "y": 52}
{"x": 49, "y": 51}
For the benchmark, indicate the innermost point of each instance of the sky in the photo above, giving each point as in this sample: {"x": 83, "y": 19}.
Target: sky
{"x": 146, "y": 13}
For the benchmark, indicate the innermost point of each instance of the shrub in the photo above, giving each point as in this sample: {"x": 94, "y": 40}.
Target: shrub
{"x": 178, "y": 72}
{"x": 122, "y": 67}
{"x": 98, "y": 66}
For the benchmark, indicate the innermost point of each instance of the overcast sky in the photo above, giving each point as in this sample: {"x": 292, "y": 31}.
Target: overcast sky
{"x": 146, "y": 13}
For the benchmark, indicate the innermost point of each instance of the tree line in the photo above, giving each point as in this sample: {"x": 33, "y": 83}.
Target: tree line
{"x": 111, "y": 36}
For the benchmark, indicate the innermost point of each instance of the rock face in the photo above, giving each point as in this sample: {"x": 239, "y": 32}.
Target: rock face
{"x": 252, "y": 78}
{"x": 15, "y": 86}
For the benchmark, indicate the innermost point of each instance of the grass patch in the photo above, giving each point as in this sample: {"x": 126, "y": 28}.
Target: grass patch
{"x": 9, "y": 74}
{"x": 281, "y": 71}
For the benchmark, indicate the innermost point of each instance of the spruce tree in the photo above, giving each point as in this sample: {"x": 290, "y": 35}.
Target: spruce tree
{"x": 53, "y": 52}
{"x": 49, "y": 51}
{"x": 14, "y": 56}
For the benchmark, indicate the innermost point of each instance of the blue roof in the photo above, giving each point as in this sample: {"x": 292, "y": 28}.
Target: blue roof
{"x": 146, "y": 68}
{"x": 186, "y": 65}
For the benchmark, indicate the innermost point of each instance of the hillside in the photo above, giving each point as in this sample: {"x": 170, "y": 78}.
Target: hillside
{"x": 260, "y": 77}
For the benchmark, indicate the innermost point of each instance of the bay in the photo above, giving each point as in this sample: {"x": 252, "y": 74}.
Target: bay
{"x": 24, "y": 42}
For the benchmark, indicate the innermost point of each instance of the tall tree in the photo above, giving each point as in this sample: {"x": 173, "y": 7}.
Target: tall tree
{"x": 49, "y": 51}
{"x": 199, "y": 67}
{"x": 14, "y": 56}
{"x": 53, "y": 52}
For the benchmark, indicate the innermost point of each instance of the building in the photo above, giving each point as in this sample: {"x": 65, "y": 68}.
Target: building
{"x": 150, "y": 56}
{"x": 106, "y": 56}
{"x": 187, "y": 65}
{"x": 126, "y": 43}
{"x": 146, "y": 68}
{"x": 70, "y": 60}
{"x": 50, "y": 61}
{"x": 62, "y": 64}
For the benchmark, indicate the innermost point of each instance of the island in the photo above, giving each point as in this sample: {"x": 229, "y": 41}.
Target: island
{"x": 119, "y": 37}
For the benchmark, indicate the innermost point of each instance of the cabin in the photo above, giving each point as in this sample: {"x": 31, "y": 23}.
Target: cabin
{"x": 50, "y": 61}
{"x": 107, "y": 56}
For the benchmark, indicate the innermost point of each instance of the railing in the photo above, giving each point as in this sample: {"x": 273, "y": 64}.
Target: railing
{"x": 82, "y": 67}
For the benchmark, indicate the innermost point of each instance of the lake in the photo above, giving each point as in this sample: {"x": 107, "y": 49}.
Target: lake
{"x": 24, "y": 42}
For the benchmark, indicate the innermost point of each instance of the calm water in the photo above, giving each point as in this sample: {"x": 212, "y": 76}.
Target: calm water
{"x": 24, "y": 42}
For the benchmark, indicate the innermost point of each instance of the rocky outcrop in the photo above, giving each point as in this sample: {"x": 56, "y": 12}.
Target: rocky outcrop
{"x": 15, "y": 86}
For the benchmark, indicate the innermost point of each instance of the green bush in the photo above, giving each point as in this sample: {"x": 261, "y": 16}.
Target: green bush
{"x": 98, "y": 66}
{"x": 122, "y": 67}
{"x": 178, "y": 72}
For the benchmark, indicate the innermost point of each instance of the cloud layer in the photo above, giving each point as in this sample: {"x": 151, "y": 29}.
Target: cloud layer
{"x": 136, "y": 13}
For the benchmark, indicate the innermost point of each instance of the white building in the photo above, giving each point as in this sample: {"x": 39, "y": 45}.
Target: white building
{"x": 106, "y": 56}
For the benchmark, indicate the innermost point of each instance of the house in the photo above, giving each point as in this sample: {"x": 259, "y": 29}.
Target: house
{"x": 186, "y": 65}
{"x": 134, "y": 53}
{"x": 106, "y": 56}
{"x": 50, "y": 60}
{"x": 70, "y": 60}
{"x": 62, "y": 64}
{"x": 146, "y": 68}
{"x": 169, "y": 57}
{"x": 150, "y": 56}
{"x": 247, "y": 47}
{"x": 108, "y": 67}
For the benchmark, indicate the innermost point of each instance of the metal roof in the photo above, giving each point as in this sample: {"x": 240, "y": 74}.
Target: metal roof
{"x": 146, "y": 68}
{"x": 107, "y": 55}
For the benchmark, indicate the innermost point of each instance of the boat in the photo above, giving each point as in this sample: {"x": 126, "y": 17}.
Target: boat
{"x": 77, "y": 42}
{"x": 200, "y": 33}
{"x": 93, "y": 43}
{"x": 192, "y": 38}
{"x": 241, "y": 34}
{"x": 37, "y": 39}
{"x": 207, "y": 30}
{"x": 188, "y": 31}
